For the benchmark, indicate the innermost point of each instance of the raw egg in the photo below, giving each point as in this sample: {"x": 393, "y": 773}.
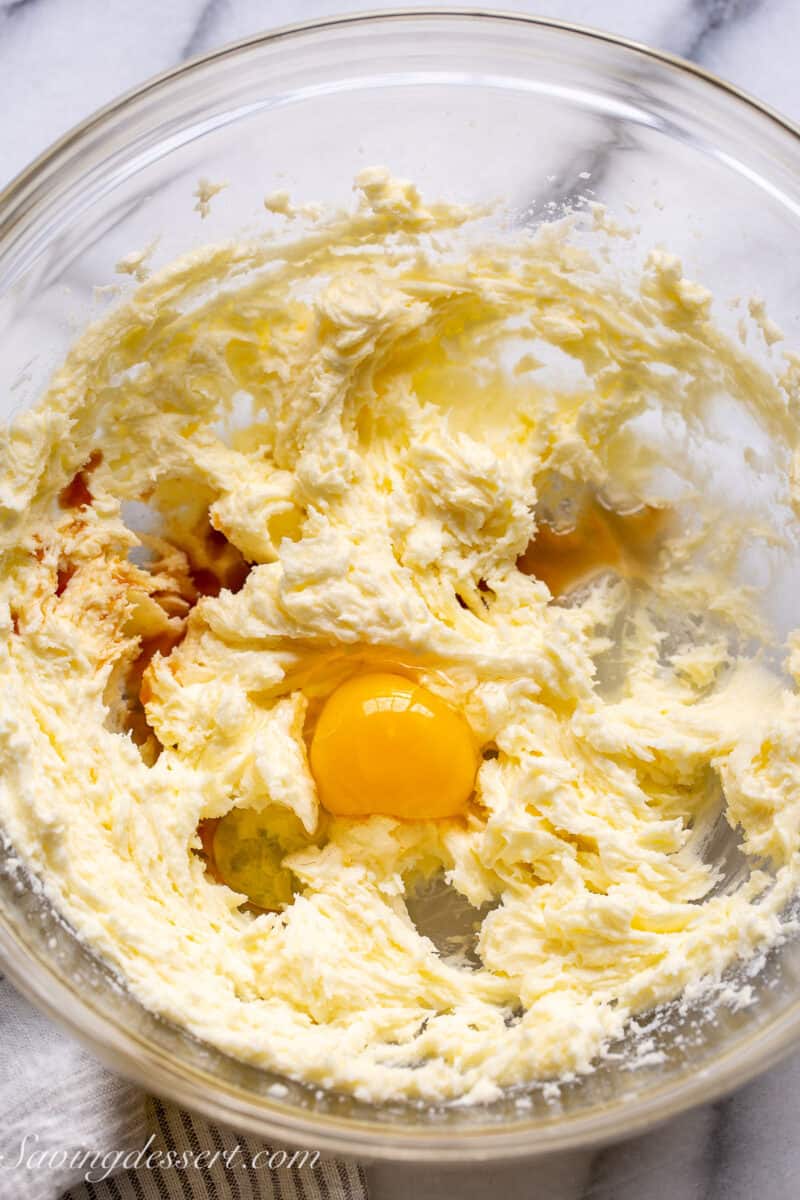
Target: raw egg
{"x": 248, "y": 849}
{"x": 386, "y": 745}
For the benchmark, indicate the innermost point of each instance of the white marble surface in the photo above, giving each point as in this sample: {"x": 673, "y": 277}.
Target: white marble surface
{"x": 59, "y": 60}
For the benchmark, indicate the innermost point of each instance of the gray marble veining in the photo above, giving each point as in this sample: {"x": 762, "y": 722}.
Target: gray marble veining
{"x": 59, "y": 60}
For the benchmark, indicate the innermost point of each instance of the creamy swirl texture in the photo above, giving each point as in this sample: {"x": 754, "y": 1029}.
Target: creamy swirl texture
{"x": 347, "y": 443}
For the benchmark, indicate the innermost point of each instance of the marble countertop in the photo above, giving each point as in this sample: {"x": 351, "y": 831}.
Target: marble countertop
{"x": 59, "y": 60}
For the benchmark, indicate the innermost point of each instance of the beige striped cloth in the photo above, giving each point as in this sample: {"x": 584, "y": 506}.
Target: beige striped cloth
{"x": 70, "y": 1129}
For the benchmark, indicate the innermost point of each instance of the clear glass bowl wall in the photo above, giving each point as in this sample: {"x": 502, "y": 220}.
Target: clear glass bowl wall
{"x": 472, "y": 108}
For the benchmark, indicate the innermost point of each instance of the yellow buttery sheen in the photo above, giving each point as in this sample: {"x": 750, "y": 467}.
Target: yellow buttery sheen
{"x": 399, "y": 428}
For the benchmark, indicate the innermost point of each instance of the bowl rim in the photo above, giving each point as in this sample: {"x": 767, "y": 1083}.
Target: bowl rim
{"x": 17, "y": 186}
{"x": 129, "y": 1053}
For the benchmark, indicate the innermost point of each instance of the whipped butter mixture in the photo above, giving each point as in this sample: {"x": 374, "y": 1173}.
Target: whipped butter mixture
{"x": 336, "y": 566}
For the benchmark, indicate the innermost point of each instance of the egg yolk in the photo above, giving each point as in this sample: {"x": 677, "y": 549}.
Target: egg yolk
{"x": 248, "y": 850}
{"x": 384, "y": 745}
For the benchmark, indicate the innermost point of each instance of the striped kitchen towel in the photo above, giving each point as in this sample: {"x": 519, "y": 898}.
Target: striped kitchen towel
{"x": 71, "y": 1129}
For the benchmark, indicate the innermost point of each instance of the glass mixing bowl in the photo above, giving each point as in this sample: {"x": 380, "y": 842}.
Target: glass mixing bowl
{"x": 473, "y": 107}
